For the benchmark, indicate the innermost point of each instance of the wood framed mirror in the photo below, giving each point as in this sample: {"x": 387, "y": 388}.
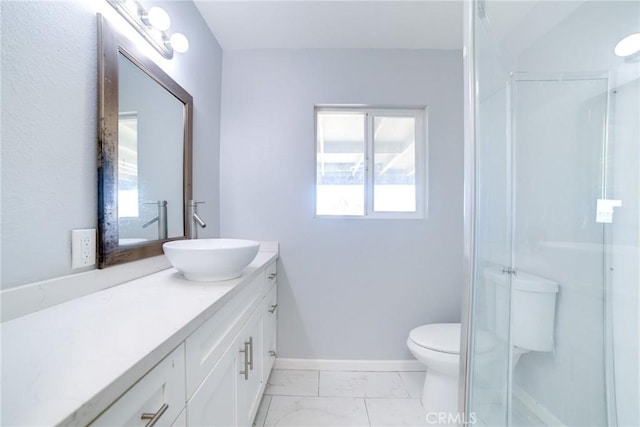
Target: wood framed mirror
{"x": 145, "y": 122}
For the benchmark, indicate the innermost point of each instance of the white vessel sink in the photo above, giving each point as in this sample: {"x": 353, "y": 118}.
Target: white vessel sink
{"x": 210, "y": 260}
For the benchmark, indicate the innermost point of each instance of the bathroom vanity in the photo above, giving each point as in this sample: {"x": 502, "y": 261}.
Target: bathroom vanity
{"x": 159, "y": 348}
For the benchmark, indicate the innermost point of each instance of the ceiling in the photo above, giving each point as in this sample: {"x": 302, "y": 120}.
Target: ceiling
{"x": 307, "y": 24}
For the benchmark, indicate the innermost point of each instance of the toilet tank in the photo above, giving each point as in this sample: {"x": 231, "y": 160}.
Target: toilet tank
{"x": 532, "y": 312}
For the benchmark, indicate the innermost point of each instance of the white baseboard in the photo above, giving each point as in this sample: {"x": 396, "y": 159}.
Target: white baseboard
{"x": 535, "y": 409}
{"x": 349, "y": 365}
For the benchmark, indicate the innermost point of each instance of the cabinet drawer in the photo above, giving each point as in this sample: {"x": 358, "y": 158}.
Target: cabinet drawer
{"x": 207, "y": 344}
{"x": 269, "y": 325}
{"x": 271, "y": 274}
{"x": 160, "y": 392}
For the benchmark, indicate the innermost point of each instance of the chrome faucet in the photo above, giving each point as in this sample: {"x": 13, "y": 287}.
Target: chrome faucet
{"x": 193, "y": 220}
{"x": 161, "y": 218}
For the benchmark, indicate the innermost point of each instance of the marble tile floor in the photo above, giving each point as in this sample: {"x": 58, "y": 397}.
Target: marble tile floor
{"x": 304, "y": 398}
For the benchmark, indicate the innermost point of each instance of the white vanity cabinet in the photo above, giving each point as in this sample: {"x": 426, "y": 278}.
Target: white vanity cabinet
{"x": 226, "y": 366}
{"x": 223, "y": 367}
{"x": 156, "y": 350}
{"x": 158, "y": 396}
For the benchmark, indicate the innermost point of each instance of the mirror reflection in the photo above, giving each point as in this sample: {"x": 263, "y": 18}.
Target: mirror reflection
{"x": 150, "y": 158}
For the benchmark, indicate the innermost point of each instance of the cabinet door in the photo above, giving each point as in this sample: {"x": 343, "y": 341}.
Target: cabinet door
{"x": 269, "y": 330}
{"x": 271, "y": 274}
{"x": 214, "y": 403}
{"x": 250, "y": 385}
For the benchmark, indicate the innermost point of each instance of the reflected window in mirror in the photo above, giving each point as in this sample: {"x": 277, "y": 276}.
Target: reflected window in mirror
{"x": 128, "y": 207}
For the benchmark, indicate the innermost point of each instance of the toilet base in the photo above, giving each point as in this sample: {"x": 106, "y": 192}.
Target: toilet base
{"x": 440, "y": 393}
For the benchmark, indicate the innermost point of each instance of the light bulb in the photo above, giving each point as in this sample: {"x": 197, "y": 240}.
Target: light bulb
{"x": 159, "y": 19}
{"x": 179, "y": 42}
{"x": 628, "y": 45}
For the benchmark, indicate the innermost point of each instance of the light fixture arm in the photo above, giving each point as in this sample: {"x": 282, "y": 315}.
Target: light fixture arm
{"x": 138, "y": 18}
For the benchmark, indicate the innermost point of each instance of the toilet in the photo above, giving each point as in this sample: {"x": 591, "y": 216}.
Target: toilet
{"x": 437, "y": 345}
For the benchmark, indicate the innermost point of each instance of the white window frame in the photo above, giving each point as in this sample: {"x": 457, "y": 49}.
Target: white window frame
{"x": 421, "y": 156}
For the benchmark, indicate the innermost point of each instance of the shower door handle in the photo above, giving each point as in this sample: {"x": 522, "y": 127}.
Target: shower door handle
{"x": 604, "y": 210}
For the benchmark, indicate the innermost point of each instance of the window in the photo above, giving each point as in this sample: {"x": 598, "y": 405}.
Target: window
{"x": 370, "y": 162}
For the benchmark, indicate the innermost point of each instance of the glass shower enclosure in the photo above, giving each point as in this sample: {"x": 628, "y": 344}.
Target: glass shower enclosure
{"x": 552, "y": 214}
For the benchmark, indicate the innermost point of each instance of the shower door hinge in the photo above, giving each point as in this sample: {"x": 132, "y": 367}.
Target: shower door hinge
{"x": 509, "y": 270}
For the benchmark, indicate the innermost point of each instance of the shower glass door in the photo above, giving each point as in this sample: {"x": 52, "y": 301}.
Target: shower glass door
{"x": 559, "y": 142}
{"x": 493, "y": 223}
{"x": 556, "y": 191}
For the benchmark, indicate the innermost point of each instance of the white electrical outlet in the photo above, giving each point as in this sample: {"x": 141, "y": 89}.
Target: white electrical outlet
{"x": 83, "y": 248}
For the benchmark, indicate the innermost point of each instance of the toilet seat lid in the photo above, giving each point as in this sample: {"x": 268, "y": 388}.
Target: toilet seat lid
{"x": 443, "y": 337}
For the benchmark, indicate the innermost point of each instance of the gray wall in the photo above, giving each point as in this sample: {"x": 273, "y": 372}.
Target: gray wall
{"x": 349, "y": 288}
{"x": 49, "y": 104}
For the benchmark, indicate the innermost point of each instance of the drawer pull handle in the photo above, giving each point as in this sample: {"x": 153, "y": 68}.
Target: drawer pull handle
{"x": 272, "y": 276}
{"x": 273, "y": 308}
{"x": 153, "y": 418}
{"x": 251, "y": 353}
{"x": 245, "y": 372}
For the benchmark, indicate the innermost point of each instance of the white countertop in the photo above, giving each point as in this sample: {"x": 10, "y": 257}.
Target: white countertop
{"x": 67, "y": 363}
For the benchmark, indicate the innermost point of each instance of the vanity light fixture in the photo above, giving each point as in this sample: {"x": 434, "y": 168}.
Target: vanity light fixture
{"x": 152, "y": 25}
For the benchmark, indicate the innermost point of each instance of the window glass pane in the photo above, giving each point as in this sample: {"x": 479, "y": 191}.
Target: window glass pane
{"x": 394, "y": 177}
{"x": 340, "y": 163}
